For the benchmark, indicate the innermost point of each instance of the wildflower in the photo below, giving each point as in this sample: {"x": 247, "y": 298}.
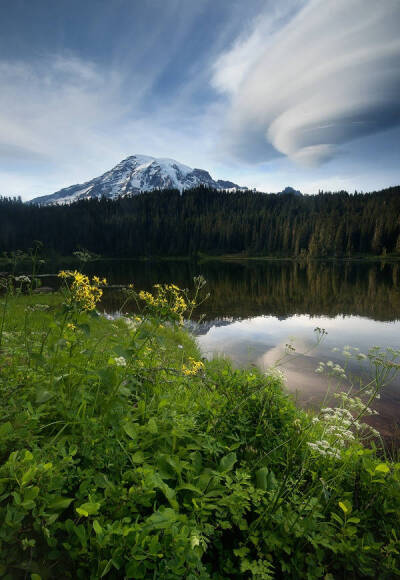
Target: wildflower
{"x": 297, "y": 424}
{"x": 37, "y": 308}
{"x": 324, "y": 448}
{"x": 129, "y": 323}
{"x": 71, "y": 326}
{"x": 23, "y": 279}
{"x": 83, "y": 293}
{"x": 167, "y": 301}
{"x": 120, "y": 361}
{"x": 194, "y": 368}
{"x": 276, "y": 373}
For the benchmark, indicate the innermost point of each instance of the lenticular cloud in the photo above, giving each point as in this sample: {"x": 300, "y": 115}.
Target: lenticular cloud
{"x": 332, "y": 74}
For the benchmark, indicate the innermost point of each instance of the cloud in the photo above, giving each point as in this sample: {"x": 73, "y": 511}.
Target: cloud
{"x": 52, "y": 107}
{"x": 65, "y": 119}
{"x": 328, "y": 76}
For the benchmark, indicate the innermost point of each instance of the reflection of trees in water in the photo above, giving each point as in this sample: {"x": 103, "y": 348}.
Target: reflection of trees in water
{"x": 283, "y": 288}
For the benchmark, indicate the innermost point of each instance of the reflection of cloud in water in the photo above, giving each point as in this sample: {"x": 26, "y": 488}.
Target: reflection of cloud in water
{"x": 261, "y": 341}
{"x": 298, "y": 369}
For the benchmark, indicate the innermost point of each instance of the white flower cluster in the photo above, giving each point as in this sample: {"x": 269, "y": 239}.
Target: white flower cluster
{"x": 336, "y": 423}
{"x": 351, "y": 352}
{"x": 339, "y": 426}
{"x": 323, "y": 447}
{"x": 23, "y": 279}
{"x": 331, "y": 368}
{"x": 37, "y": 308}
{"x": 130, "y": 323}
{"x": 276, "y": 373}
{"x": 356, "y": 404}
{"x": 120, "y": 361}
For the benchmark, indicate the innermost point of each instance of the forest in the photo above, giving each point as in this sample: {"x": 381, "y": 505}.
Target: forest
{"x": 202, "y": 220}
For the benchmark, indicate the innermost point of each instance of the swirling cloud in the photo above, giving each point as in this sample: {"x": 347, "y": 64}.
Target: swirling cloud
{"x": 328, "y": 76}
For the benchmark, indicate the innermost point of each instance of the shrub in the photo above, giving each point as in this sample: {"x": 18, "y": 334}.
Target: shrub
{"x": 124, "y": 455}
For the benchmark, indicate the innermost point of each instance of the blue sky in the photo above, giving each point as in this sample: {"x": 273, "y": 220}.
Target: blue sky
{"x": 265, "y": 93}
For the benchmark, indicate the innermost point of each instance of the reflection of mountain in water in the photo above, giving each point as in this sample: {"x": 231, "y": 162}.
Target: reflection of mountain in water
{"x": 200, "y": 328}
{"x": 277, "y": 288}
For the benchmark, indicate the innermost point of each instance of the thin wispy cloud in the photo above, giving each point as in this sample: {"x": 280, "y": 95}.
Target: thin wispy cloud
{"x": 329, "y": 76}
{"x": 214, "y": 84}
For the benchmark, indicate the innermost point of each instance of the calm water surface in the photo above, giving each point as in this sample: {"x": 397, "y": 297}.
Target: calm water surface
{"x": 257, "y": 307}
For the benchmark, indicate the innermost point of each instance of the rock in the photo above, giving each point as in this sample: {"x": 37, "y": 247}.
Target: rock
{"x": 43, "y": 290}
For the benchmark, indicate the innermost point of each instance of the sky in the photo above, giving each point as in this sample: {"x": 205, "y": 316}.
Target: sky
{"x": 267, "y": 94}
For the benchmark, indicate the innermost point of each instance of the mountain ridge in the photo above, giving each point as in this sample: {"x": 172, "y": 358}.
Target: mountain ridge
{"x": 136, "y": 174}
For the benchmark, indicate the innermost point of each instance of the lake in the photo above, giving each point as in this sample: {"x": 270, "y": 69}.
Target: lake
{"x": 258, "y": 307}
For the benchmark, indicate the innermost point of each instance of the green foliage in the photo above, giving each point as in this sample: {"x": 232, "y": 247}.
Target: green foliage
{"x": 173, "y": 223}
{"x": 116, "y": 463}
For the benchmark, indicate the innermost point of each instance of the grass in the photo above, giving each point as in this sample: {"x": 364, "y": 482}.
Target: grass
{"x": 123, "y": 454}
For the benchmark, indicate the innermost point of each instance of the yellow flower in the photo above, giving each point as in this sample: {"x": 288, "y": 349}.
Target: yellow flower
{"x": 71, "y": 326}
{"x": 82, "y": 293}
{"x": 194, "y": 368}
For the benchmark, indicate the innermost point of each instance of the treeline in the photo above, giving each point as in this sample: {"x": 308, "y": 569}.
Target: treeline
{"x": 204, "y": 220}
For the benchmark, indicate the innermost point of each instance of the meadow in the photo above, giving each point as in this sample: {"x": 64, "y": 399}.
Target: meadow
{"x": 124, "y": 454}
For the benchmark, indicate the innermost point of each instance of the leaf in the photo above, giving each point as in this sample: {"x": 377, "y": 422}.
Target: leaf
{"x": 31, "y": 493}
{"x": 261, "y": 478}
{"x": 121, "y": 351}
{"x": 5, "y": 429}
{"x": 345, "y": 507}
{"x": 132, "y": 570}
{"x": 80, "y": 531}
{"x": 152, "y": 426}
{"x": 130, "y": 430}
{"x": 36, "y": 577}
{"x": 28, "y": 475}
{"x": 382, "y": 468}
{"x": 44, "y": 395}
{"x": 189, "y": 487}
{"x": 227, "y": 462}
{"x": 107, "y": 568}
{"x": 162, "y": 519}
{"x": 137, "y": 457}
{"x": 88, "y": 509}
{"x": 59, "y": 503}
{"x": 337, "y": 519}
{"x": 97, "y": 528}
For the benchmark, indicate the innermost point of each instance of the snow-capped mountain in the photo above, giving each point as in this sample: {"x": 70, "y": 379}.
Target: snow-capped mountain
{"x": 136, "y": 174}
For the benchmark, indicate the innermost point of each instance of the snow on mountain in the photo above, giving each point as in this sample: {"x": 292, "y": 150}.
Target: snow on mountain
{"x": 136, "y": 174}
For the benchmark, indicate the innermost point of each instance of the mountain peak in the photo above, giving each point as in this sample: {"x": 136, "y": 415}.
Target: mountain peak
{"x": 290, "y": 190}
{"x": 135, "y": 174}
